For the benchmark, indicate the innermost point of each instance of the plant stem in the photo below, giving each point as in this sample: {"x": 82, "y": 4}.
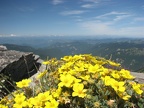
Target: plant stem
{"x": 6, "y": 89}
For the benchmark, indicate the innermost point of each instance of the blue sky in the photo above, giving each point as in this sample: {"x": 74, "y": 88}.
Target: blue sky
{"x": 72, "y": 18}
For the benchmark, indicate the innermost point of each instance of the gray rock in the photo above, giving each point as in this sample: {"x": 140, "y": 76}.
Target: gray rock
{"x": 18, "y": 65}
{"x": 15, "y": 66}
{"x": 139, "y": 77}
{"x": 3, "y": 48}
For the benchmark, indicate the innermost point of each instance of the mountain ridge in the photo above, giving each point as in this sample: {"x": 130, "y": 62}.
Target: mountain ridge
{"x": 129, "y": 53}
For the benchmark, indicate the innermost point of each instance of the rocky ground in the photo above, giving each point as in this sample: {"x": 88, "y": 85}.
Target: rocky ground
{"x": 139, "y": 77}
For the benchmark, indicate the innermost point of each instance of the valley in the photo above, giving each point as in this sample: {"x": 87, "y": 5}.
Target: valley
{"x": 126, "y": 51}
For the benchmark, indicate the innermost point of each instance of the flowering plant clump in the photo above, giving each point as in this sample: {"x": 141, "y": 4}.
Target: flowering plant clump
{"x": 79, "y": 81}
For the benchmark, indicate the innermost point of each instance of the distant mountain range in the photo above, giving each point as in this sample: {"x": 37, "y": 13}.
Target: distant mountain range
{"x": 128, "y": 52}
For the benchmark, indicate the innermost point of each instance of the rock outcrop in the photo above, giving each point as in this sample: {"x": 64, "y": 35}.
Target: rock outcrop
{"x": 3, "y": 48}
{"x": 15, "y": 66}
{"x": 18, "y": 65}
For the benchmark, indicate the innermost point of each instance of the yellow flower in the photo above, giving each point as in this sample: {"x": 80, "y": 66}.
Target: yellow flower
{"x": 3, "y": 106}
{"x": 79, "y": 69}
{"x": 46, "y": 62}
{"x": 29, "y": 103}
{"x": 67, "y": 58}
{"x": 113, "y": 63}
{"x": 77, "y": 57}
{"x": 115, "y": 75}
{"x": 118, "y": 86}
{"x": 79, "y": 90}
{"x": 107, "y": 80}
{"x": 66, "y": 80}
{"x": 104, "y": 71}
{"x": 19, "y": 96}
{"x": 137, "y": 89}
{"x": 65, "y": 67}
{"x": 44, "y": 96}
{"x": 72, "y": 72}
{"x": 87, "y": 65}
{"x": 40, "y": 75}
{"x": 93, "y": 69}
{"x": 126, "y": 97}
{"x": 76, "y": 80}
{"x": 85, "y": 77}
{"x": 57, "y": 92}
{"x": 126, "y": 74}
{"x": 23, "y": 83}
{"x": 52, "y": 104}
{"x": 19, "y": 101}
{"x": 36, "y": 102}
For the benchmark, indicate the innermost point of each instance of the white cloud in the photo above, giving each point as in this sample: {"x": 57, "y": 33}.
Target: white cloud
{"x": 111, "y": 13}
{"x": 72, "y": 12}
{"x": 55, "y": 2}
{"x": 101, "y": 28}
{"x": 108, "y": 24}
{"x": 120, "y": 17}
{"x": 96, "y": 27}
{"x": 132, "y": 31}
{"x": 114, "y": 16}
{"x": 87, "y": 6}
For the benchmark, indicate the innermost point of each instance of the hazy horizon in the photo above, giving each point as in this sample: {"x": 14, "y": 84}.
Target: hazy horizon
{"x": 73, "y": 36}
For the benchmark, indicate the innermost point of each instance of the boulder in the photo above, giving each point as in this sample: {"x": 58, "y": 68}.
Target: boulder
{"x": 15, "y": 66}
{"x": 18, "y": 65}
{"x": 3, "y": 48}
